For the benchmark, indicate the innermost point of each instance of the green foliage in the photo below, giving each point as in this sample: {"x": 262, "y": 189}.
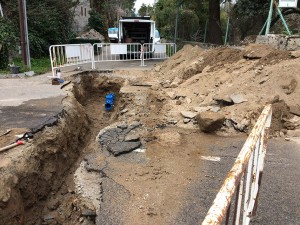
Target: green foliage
{"x": 96, "y": 22}
{"x": 251, "y": 8}
{"x": 7, "y": 40}
{"x": 248, "y": 16}
{"x": 188, "y": 24}
{"x": 192, "y": 18}
{"x": 3, "y": 57}
{"x": 146, "y": 10}
{"x": 39, "y": 66}
{"x": 49, "y": 22}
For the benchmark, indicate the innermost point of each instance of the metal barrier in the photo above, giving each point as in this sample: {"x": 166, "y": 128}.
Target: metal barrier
{"x": 116, "y": 52}
{"x": 244, "y": 179}
{"x": 158, "y": 50}
{"x": 70, "y": 55}
{"x": 77, "y": 54}
{"x": 132, "y": 51}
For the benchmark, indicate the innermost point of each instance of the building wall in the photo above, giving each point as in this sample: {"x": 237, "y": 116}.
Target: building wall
{"x": 82, "y": 15}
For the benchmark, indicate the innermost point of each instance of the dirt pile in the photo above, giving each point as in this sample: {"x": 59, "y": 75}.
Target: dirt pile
{"x": 67, "y": 175}
{"x": 92, "y": 34}
{"x": 234, "y": 82}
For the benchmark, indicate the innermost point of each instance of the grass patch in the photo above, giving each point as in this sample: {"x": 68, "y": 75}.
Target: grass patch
{"x": 39, "y": 66}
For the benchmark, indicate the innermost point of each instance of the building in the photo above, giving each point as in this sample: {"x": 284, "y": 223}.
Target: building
{"x": 82, "y": 15}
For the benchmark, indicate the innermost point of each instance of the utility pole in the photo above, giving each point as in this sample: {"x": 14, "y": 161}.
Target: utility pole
{"x": 1, "y": 11}
{"x": 24, "y": 33}
{"x": 176, "y": 21}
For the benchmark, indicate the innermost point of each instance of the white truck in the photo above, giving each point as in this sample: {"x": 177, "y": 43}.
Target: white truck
{"x": 137, "y": 30}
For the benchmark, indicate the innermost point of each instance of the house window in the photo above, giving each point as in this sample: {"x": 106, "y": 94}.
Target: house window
{"x": 81, "y": 11}
{"x": 84, "y": 11}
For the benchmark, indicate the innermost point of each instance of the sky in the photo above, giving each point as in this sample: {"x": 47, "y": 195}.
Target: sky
{"x": 138, "y": 3}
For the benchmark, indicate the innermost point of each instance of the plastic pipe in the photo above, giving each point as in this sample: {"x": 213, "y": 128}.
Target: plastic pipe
{"x": 109, "y": 101}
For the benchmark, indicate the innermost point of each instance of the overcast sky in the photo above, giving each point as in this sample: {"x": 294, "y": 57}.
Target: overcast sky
{"x": 138, "y": 3}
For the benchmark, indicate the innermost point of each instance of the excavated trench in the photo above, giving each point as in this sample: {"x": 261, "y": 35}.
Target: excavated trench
{"x": 69, "y": 174}
{"x": 40, "y": 187}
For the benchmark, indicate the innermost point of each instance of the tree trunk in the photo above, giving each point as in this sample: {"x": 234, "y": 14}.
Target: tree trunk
{"x": 214, "y": 24}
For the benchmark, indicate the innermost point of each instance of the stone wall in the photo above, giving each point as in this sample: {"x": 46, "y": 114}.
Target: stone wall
{"x": 278, "y": 41}
{"x": 82, "y": 15}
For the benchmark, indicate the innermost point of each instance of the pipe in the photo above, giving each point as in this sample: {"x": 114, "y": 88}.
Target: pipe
{"x": 109, "y": 102}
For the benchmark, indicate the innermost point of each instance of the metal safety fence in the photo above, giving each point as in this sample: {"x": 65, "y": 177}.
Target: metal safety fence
{"x": 159, "y": 50}
{"x": 132, "y": 51}
{"x": 70, "y": 55}
{"x": 78, "y": 54}
{"x": 237, "y": 200}
{"x": 116, "y": 52}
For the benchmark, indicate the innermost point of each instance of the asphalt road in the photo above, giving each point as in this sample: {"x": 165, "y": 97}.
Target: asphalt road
{"x": 279, "y": 200}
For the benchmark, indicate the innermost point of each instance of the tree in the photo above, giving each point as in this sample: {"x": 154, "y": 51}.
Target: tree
{"x": 248, "y": 16}
{"x": 49, "y": 22}
{"x": 146, "y": 10}
{"x": 8, "y": 39}
{"x": 214, "y": 23}
{"x": 96, "y": 22}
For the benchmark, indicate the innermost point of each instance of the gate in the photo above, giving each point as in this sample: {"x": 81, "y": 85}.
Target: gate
{"x": 70, "y": 55}
{"x": 243, "y": 180}
{"x": 116, "y": 52}
{"x": 159, "y": 50}
{"x": 78, "y": 54}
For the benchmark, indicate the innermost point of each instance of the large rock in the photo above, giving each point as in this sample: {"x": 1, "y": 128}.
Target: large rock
{"x": 295, "y": 109}
{"x": 293, "y": 133}
{"x": 123, "y": 147}
{"x": 257, "y": 51}
{"x": 210, "y": 121}
{"x": 223, "y": 100}
{"x": 238, "y": 98}
{"x": 295, "y": 54}
{"x": 188, "y": 114}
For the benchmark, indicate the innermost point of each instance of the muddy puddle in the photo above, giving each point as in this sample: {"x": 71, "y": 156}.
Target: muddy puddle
{"x": 77, "y": 171}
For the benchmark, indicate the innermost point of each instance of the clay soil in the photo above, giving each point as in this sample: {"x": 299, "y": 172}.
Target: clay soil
{"x": 64, "y": 176}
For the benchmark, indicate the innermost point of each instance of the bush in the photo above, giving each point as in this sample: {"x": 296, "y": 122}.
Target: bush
{"x": 4, "y": 57}
{"x": 8, "y": 40}
{"x": 96, "y": 22}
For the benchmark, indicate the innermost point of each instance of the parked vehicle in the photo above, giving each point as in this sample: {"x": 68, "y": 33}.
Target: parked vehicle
{"x": 137, "y": 30}
{"x": 157, "y": 37}
{"x": 113, "y": 34}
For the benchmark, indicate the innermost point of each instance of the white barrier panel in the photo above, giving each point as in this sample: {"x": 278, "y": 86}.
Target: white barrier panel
{"x": 70, "y": 55}
{"x": 288, "y": 3}
{"x": 159, "y": 50}
{"x": 78, "y": 54}
{"x": 116, "y": 52}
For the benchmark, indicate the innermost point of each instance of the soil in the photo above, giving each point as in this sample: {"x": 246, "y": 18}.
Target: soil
{"x": 63, "y": 176}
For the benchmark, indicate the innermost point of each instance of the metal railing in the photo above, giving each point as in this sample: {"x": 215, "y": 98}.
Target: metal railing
{"x": 78, "y": 54}
{"x": 244, "y": 179}
{"x": 159, "y": 50}
{"x": 70, "y": 55}
{"x": 116, "y": 52}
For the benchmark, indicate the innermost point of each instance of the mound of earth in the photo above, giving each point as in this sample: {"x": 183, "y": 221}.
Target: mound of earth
{"x": 235, "y": 82}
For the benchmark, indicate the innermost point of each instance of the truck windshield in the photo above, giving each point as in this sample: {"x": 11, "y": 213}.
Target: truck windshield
{"x": 112, "y": 30}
